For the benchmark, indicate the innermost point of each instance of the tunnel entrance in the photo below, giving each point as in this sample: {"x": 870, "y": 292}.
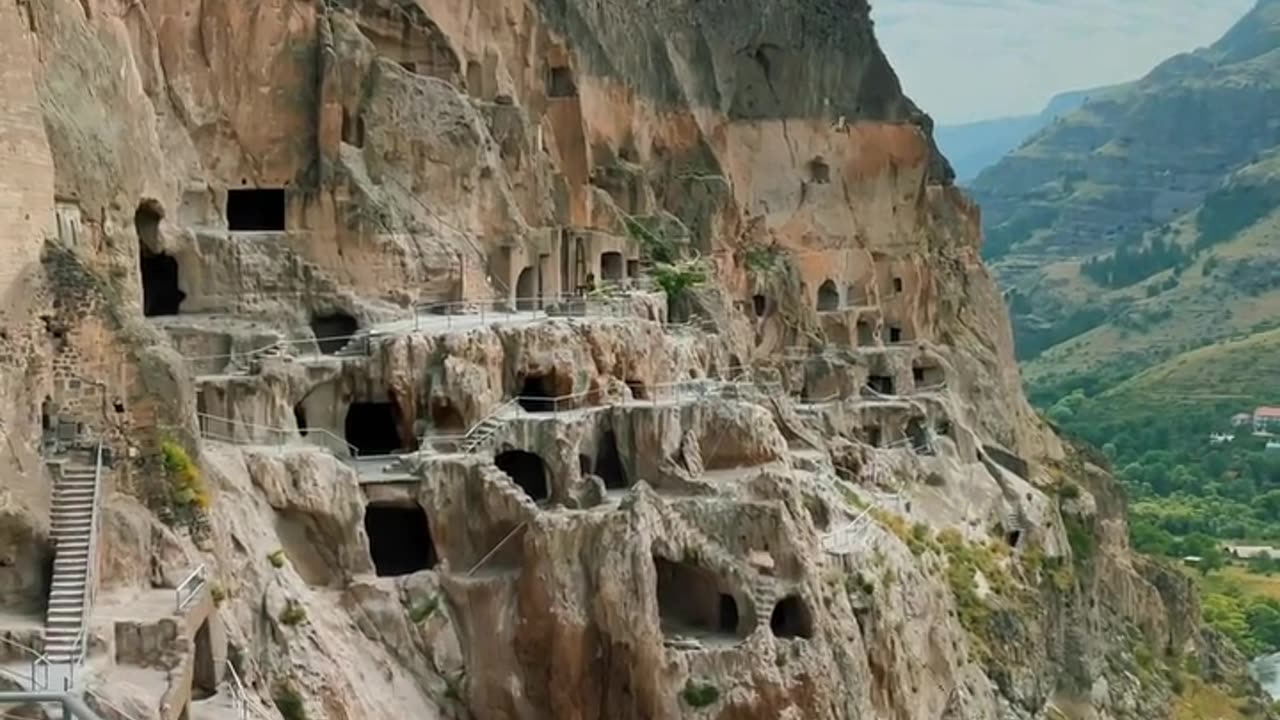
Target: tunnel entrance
{"x": 612, "y": 267}
{"x": 895, "y": 334}
{"x": 791, "y": 619}
{"x": 609, "y": 464}
{"x": 527, "y": 470}
{"x": 527, "y": 290}
{"x": 160, "y": 292}
{"x": 204, "y": 672}
{"x": 536, "y": 394}
{"x": 828, "y": 297}
{"x": 300, "y": 418}
{"x": 759, "y": 304}
{"x": 399, "y": 539}
{"x": 874, "y": 436}
{"x": 444, "y": 416}
{"x": 333, "y": 331}
{"x": 560, "y": 83}
{"x": 1013, "y": 537}
{"x": 882, "y": 384}
{"x": 255, "y": 210}
{"x": 371, "y": 427}
{"x": 690, "y": 601}
{"x": 637, "y": 389}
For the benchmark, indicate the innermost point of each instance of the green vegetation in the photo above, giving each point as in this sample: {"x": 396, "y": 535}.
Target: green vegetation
{"x": 1134, "y": 263}
{"x": 656, "y": 245}
{"x": 188, "y": 498}
{"x": 293, "y": 614}
{"x": 424, "y": 609}
{"x": 217, "y": 593}
{"x": 276, "y": 558}
{"x": 288, "y": 701}
{"x": 678, "y": 281}
{"x": 698, "y": 694}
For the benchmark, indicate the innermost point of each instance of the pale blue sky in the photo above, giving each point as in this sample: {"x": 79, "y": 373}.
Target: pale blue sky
{"x": 964, "y": 60}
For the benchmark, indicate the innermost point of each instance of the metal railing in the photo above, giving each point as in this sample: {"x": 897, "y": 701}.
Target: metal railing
{"x": 39, "y": 677}
{"x": 278, "y": 436}
{"x": 239, "y": 697}
{"x": 189, "y": 589}
{"x": 72, "y": 706}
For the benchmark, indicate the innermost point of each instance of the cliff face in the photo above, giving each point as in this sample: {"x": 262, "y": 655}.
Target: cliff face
{"x": 317, "y": 244}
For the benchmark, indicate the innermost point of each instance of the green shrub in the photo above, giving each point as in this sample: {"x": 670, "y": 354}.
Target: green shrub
{"x": 187, "y": 497}
{"x": 698, "y": 694}
{"x": 424, "y": 609}
{"x": 1069, "y": 491}
{"x": 288, "y": 701}
{"x": 218, "y": 594}
{"x": 293, "y": 613}
{"x": 276, "y": 558}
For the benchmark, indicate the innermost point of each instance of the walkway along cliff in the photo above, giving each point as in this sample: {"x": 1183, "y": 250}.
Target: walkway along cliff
{"x": 528, "y": 359}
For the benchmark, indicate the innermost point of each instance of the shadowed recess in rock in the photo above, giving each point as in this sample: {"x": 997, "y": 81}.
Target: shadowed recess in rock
{"x": 609, "y": 463}
{"x": 399, "y": 538}
{"x": 255, "y": 210}
{"x": 160, "y": 292}
{"x": 791, "y": 619}
{"x": 333, "y": 331}
{"x": 527, "y": 470}
{"x": 204, "y": 675}
{"x": 828, "y": 297}
{"x": 371, "y": 428}
{"x": 536, "y": 394}
{"x": 692, "y": 601}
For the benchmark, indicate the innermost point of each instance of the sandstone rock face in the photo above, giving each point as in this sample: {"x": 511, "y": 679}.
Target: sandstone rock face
{"x": 391, "y": 273}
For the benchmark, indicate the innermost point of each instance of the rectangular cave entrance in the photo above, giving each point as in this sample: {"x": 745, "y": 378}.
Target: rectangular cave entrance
{"x": 372, "y": 428}
{"x": 895, "y": 334}
{"x": 204, "y": 673}
{"x": 612, "y": 266}
{"x": 255, "y": 210}
{"x": 690, "y": 602}
{"x": 333, "y": 331}
{"x": 537, "y": 394}
{"x": 882, "y": 384}
{"x": 161, "y": 294}
{"x": 866, "y": 336}
{"x": 399, "y": 538}
{"x": 928, "y": 375}
{"x": 608, "y": 465}
{"x": 560, "y": 83}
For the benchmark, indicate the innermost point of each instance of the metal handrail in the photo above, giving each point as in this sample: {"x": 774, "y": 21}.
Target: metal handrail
{"x": 72, "y": 706}
{"x": 190, "y": 587}
{"x": 286, "y": 433}
{"x": 239, "y": 697}
{"x": 38, "y": 659}
{"x": 495, "y": 549}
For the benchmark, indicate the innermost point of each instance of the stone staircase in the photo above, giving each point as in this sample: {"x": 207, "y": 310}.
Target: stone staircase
{"x": 75, "y": 503}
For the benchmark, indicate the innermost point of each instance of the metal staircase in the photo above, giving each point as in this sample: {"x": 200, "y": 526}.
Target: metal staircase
{"x": 75, "y": 518}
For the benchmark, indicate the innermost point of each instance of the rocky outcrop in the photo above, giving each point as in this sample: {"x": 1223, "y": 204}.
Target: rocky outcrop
{"x": 557, "y": 359}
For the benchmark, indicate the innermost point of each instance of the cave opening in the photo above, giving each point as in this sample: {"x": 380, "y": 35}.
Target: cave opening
{"x": 895, "y": 334}
{"x": 161, "y": 294}
{"x": 897, "y": 285}
{"x": 637, "y": 389}
{"x": 560, "y": 83}
{"x": 919, "y": 437}
{"x": 352, "y": 130}
{"x": 300, "y": 418}
{"x": 819, "y": 171}
{"x": 791, "y": 619}
{"x": 527, "y": 470}
{"x": 537, "y": 394}
{"x": 444, "y": 416}
{"x": 881, "y": 384}
{"x": 255, "y": 209}
{"x": 690, "y": 601}
{"x": 204, "y": 669}
{"x": 874, "y": 435}
{"x": 866, "y": 336}
{"x": 399, "y": 538}
{"x": 527, "y": 290}
{"x": 928, "y": 376}
{"x": 759, "y": 304}
{"x": 1013, "y": 537}
{"x": 612, "y": 267}
{"x": 146, "y": 221}
{"x": 333, "y": 331}
{"x": 609, "y": 464}
{"x": 372, "y": 429}
{"x": 828, "y": 297}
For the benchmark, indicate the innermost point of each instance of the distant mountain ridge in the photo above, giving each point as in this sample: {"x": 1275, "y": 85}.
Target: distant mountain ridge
{"x": 1146, "y": 222}
{"x": 973, "y": 147}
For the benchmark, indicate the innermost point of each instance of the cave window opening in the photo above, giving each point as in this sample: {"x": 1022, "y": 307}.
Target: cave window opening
{"x": 399, "y": 539}
{"x": 352, "y": 130}
{"x": 760, "y": 304}
{"x": 444, "y": 416}
{"x": 1013, "y": 537}
{"x": 612, "y": 266}
{"x": 333, "y": 331}
{"x": 300, "y": 418}
{"x": 536, "y": 394}
{"x": 560, "y": 83}
{"x": 527, "y": 290}
{"x": 204, "y": 670}
{"x": 690, "y": 601}
{"x": 928, "y": 375}
{"x": 895, "y": 334}
{"x": 828, "y": 297}
{"x": 917, "y": 375}
{"x": 637, "y": 389}
{"x": 919, "y": 437}
{"x": 633, "y": 268}
{"x": 881, "y": 384}
{"x": 584, "y": 464}
{"x": 819, "y": 171}
{"x": 866, "y": 336}
{"x": 527, "y": 470}
{"x": 372, "y": 429}
{"x": 256, "y": 210}
{"x": 874, "y": 436}
{"x": 897, "y": 284}
{"x": 791, "y": 619}
{"x": 609, "y": 464}
{"x": 46, "y": 417}
{"x": 161, "y": 294}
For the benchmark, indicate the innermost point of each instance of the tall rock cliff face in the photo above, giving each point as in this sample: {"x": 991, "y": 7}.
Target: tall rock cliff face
{"x": 324, "y": 249}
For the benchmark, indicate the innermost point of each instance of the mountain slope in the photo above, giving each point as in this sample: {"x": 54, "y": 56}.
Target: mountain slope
{"x": 1141, "y": 225}
{"x": 973, "y": 147}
